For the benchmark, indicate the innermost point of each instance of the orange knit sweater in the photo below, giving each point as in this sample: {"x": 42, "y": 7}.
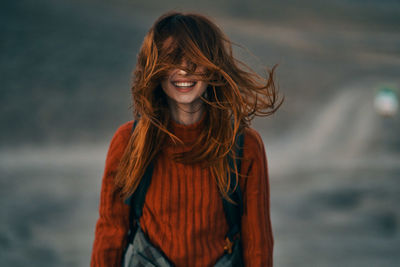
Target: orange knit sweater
{"x": 183, "y": 213}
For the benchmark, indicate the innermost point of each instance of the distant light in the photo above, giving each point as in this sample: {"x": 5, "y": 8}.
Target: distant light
{"x": 386, "y": 102}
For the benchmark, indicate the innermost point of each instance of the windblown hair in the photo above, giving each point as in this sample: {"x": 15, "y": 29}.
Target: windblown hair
{"x": 235, "y": 94}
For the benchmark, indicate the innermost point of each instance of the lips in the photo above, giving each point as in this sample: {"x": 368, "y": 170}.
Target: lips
{"x": 184, "y": 85}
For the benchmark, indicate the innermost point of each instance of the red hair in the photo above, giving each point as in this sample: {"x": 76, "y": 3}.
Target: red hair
{"x": 235, "y": 94}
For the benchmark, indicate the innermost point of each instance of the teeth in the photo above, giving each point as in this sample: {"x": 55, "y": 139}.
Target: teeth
{"x": 184, "y": 84}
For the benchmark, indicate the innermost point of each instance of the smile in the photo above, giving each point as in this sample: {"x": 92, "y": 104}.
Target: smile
{"x": 184, "y": 85}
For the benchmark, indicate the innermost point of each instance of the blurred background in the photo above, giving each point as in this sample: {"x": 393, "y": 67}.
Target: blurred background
{"x": 333, "y": 147}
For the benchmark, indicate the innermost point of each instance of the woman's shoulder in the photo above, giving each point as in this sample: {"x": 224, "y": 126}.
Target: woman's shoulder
{"x": 253, "y": 145}
{"x": 123, "y": 133}
{"x": 252, "y": 139}
{"x": 125, "y": 128}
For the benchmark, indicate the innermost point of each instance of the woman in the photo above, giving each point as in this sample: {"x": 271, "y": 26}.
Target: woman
{"x": 192, "y": 100}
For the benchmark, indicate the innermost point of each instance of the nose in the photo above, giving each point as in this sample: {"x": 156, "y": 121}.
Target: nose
{"x": 184, "y": 65}
{"x": 187, "y": 65}
{"x": 182, "y": 72}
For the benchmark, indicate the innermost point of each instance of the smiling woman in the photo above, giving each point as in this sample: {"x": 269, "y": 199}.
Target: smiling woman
{"x": 193, "y": 171}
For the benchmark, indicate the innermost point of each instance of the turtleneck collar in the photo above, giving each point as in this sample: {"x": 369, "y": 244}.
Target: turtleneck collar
{"x": 188, "y": 133}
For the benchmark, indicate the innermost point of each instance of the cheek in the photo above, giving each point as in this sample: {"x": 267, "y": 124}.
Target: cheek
{"x": 164, "y": 85}
{"x": 203, "y": 87}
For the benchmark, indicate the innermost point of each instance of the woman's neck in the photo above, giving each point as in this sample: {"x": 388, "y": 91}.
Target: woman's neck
{"x": 186, "y": 114}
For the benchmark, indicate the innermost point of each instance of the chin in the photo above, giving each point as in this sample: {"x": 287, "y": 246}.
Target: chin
{"x": 185, "y": 100}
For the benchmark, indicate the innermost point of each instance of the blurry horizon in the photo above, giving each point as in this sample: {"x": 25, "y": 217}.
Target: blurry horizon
{"x": 70, "y": 63}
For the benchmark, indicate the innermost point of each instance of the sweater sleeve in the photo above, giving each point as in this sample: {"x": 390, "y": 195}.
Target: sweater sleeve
{"x": 257, "y": 237}
{"x": 113, "y": 222}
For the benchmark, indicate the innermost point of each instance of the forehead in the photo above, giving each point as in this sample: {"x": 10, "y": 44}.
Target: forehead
{"x": 175, "y": 49}
{"x": 169, "y": 45}
{"x": 171, "y": 50}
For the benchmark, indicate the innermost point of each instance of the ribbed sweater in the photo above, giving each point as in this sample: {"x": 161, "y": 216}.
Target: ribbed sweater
{"x": 183, "y": 213}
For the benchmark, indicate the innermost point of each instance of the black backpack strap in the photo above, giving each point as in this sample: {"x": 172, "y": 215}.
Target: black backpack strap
{"x": 136, "y": 200}
{"x": 234, "y": 212}
{"x": 128, "y": 201}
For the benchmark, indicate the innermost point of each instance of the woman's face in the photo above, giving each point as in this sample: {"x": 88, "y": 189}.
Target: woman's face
{"x": 182, "y": 87}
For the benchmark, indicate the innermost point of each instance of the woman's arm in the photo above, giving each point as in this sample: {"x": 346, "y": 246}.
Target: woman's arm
{"x": 113, "y": 223}
{"x": 257, "y": 234}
